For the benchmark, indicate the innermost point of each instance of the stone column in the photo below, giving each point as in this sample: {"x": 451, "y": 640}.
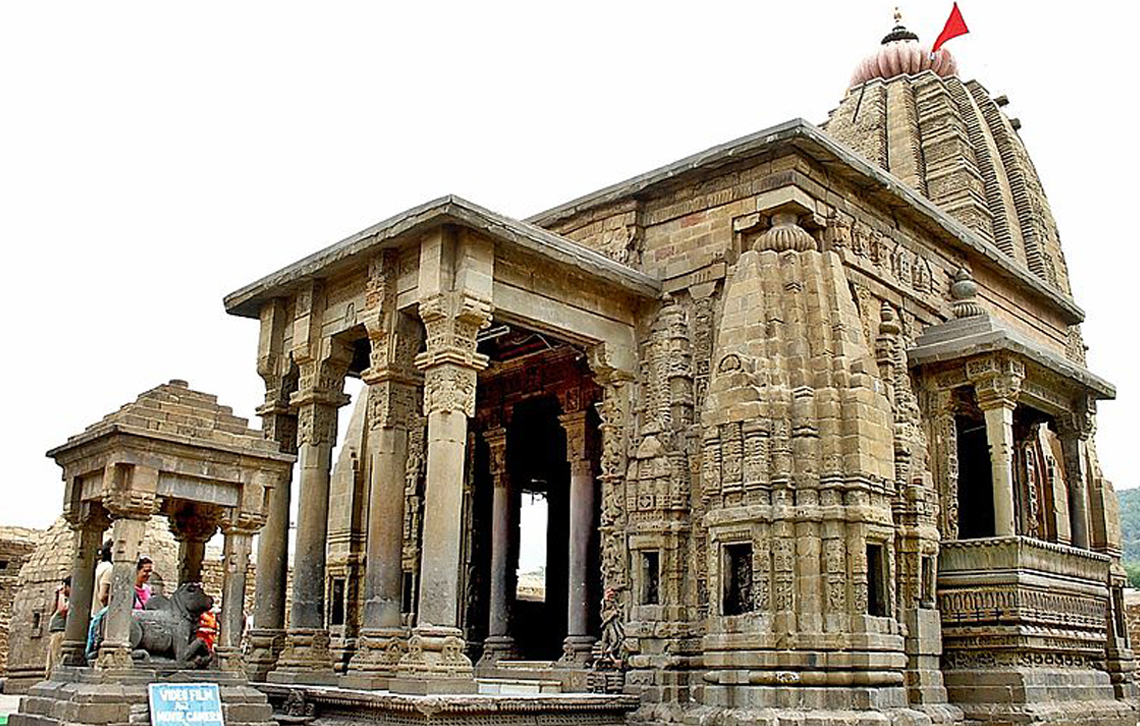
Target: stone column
{"x": 267, "y": 636}
{"x": 579, "y": 643}
{"x": 383, "y": 638}
{"x": 88, "y": 533}
{"x": 499, "y": 643}
{"x": 235, "y": 556}
{"x": 1075, "y": 431}
{"x": 127, "y": 532}
{"x": 435, "y": 661}
{"x": 129, "y": 498}
{"x": 999, "y": 434}
{"x": 997, "y": 381}
{"x": 307, "y": 640}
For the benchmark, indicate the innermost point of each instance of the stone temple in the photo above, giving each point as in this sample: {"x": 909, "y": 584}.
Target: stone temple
{"x": 809, "y": 411}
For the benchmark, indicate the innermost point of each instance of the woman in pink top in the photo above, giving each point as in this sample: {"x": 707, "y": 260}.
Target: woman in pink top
{"x": 142, "y": 589}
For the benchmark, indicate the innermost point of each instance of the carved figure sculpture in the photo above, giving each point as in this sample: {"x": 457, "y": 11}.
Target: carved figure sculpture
{"x": 166, "y": 629}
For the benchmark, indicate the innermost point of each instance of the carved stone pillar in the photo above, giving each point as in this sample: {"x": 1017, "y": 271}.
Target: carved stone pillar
{"x": 997, "y": 381}
{"x": 128, "y": 495}
{"x": 235, "y": 555}
{"x": 306, "y": 655}
{"x": 942, "y": 434}
{"x": 499, "y": 643}
{"x": 88, "y": 532}
{"x": 267, "y": 637}
{"x": 579, "y": 643}
{"x": 1075, "y": 431}
{"x": 393, "y": 397}
{"x": 435, "y": 661}
{"x": 614, "y": 413}
{"x": 383, "y": 638}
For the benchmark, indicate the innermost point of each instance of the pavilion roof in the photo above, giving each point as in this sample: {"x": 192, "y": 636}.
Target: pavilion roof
{"x": 174, "y": 412}
{"x": 448, "y": 209}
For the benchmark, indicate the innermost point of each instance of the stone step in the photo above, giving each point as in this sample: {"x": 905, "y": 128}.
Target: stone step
{"x": 516, "y": 686}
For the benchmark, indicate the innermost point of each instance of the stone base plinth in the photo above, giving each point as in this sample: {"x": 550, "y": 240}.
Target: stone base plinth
{"x": 434, "y": 663}
{"x": 294, "y": 704}
{"x": 577, "y": 651}
{"x": 670, "y": 714}
{"x": 265, "y": 646}
{"x": 90, "y": 697}
{"x": 377, "y": 657}
{"x": 1074, "y": 697}
{"x": 497, "y": 648}
{"x": 305, "y": 659}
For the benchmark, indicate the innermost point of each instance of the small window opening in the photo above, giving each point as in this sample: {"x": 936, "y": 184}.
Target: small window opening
{"x": 530, "y": 584}
{"x": 876, "y": 581}
{"x": 3, "y": 564}
{"x": 650, "y": 577}
{"x": 738, "y": 582}
{"x": 35, "y": 624}
{"x": 336, "y": 617}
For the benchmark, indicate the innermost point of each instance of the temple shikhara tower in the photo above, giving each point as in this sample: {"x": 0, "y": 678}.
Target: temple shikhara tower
{"x": 809, "y": 413}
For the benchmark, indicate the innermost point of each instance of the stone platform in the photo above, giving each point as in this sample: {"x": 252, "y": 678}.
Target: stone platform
{"x": 324, "y": 706}
{"x": 89, "y": 697}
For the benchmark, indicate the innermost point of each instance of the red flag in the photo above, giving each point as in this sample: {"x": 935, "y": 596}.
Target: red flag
{"x": 955, "y": 26}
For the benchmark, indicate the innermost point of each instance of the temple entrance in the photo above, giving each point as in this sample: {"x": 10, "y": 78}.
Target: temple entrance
{"x": 533, "y": 547}
{"x": 537, "y": 462}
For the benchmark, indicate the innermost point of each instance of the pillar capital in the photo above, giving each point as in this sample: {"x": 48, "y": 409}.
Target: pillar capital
{"x": 578, "y": 445}
{"x": 452, "y": 320}
{"x": 1080, "y": 421}
{"x": 87, "y": 516}
{"x": 195, "y": 524}
{"x": 996, "y": 380}
{"x": 496, "y": 439}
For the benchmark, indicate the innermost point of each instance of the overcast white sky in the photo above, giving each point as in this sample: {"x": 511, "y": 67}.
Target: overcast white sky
{"x": 155, "y": 156}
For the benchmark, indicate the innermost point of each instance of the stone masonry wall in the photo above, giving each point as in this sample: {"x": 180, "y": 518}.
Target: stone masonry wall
{"x": 16, "y": 545}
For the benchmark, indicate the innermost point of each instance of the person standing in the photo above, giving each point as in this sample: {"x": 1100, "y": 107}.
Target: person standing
{"x": 101, "y": 593}
{"x": 57, "y": 625}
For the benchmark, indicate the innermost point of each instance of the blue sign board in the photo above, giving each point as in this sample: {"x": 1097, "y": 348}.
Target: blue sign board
{"x": 185, "y": 704}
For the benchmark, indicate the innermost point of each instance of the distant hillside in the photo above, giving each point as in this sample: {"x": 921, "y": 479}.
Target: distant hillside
{"x": 1130, "y": 524}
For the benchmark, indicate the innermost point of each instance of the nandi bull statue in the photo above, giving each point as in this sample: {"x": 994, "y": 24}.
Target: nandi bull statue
{"x": 166, "y": 629}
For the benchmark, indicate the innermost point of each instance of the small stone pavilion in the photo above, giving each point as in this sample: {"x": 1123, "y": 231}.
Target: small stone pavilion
{"x": 176, "y": 452}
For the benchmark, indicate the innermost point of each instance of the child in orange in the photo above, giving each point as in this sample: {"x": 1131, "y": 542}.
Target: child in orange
{"x": 208, "y": 629}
